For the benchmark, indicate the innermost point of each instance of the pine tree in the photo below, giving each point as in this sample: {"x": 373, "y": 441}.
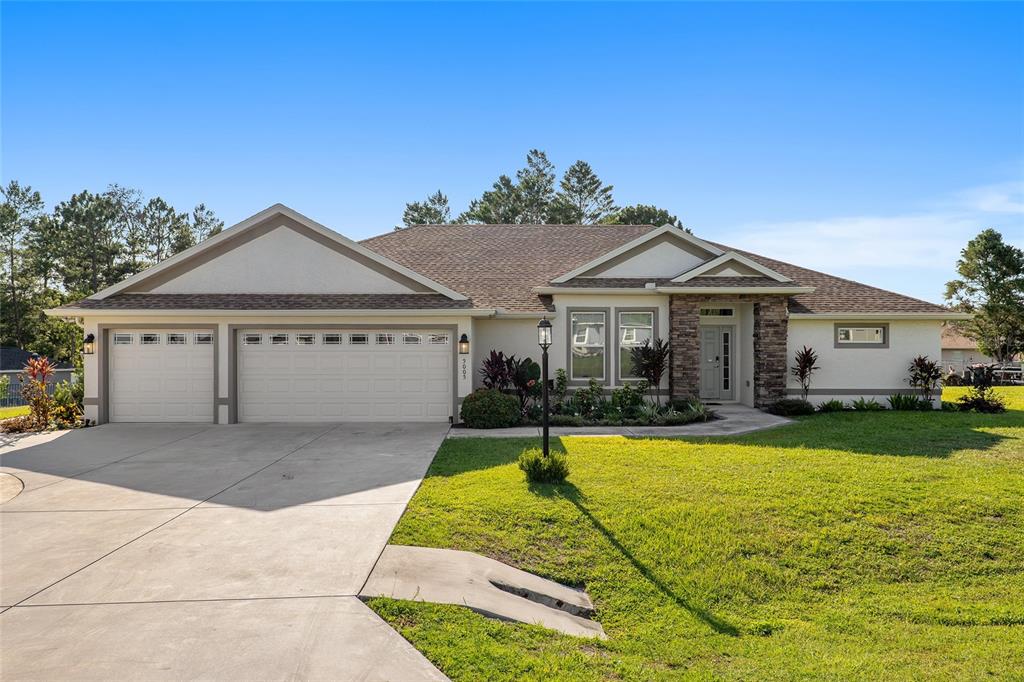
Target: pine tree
{"x": 500, "y": 205}
{"x": 21, "y": 208}
{"x": 205, "y": 223}
{"x": 89, "y": 246}
{"x": 433, "y": 211}
{"x": 583, "y": 198}
{"x": 536, "y": 185}
{"x": 643, "y": 214}
{"x": 131, "y": 229}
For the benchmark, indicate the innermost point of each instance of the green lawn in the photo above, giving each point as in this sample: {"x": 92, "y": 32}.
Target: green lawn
{"x": 867, "y": 546}
{"x": 8, "y": 412}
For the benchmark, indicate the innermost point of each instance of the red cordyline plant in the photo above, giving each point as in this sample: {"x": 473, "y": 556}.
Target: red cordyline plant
{"x": 804, "y": 368}
{"x": 925, "y": 376}
{"x": 33, "y": 389}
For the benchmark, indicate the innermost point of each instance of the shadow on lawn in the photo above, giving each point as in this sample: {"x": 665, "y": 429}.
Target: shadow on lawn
{"x": 573, "y": 494}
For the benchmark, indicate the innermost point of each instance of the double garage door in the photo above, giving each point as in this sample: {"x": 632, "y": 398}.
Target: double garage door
{"x": 310, "y": 375}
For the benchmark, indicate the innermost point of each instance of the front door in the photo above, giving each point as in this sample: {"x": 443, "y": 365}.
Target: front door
{"x": 716, "y": 365}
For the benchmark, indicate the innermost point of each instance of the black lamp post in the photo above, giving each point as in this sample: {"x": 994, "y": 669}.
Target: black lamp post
{"x": 544, "y": 339}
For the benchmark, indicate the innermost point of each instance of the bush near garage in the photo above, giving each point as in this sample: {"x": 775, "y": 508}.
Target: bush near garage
{"x": 489, "y": 408}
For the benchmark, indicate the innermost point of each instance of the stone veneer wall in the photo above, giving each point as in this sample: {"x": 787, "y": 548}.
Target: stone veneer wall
{"x": 771, "y": 327}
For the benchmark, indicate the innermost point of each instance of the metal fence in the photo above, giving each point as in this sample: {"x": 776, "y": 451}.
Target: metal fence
{"x": 12, "y": 398}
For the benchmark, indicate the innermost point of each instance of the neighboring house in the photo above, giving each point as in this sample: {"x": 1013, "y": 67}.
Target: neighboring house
{"x": 960, "y": 352}
{"x": 281, "y": 319}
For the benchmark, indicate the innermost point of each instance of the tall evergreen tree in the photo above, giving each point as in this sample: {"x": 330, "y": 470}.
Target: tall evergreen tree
{"x": 642, "y": 214}
{"x": 500, "y": 205}
{"x": 583, "y": 198}
{"x": 536, "y": 185}
{"x": 433, "y": 211}
{"x": 20, "y": 210}
{"x": 130, "y": 226}
{"x": 159, "y": 220}
{"x": 205, "y": 223}
{"x": 90, "y": 244}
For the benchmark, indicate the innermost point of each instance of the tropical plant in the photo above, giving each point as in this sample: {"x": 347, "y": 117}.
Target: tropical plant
{"x": 982, "y": 399}
{"x": 925, "y": 376}
{"x": 67, "y": 411}
{"x": 489, "y": 408}
{"x": 541, "y": 468}
{"x": 791, "y": 407}
{"x": 34, "y": 377}
{"x": 561, "y": 387}
{"x": 650, "y": 362}
{"x": 862, "y": 405}
{"x": 832, "y": 406}
{"x": 495, "y": 371}
{"x": 804, "y": 368}
{"x": 524, "y": 375}
{"x": 905, "y": 402}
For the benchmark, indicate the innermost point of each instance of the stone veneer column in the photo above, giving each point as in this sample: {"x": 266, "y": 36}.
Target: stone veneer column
{"x": 684, "y": 338}
{"x": 771, "y": 328}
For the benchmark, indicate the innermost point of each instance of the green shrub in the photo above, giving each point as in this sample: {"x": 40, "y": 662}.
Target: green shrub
{"x": 950, "y": 407}
{"x": 540, "y": 469}
{"x": 66, "y": 410}
{"x": 565, "y": 420}
{"x": 589, "y": 402}
{"x": 489, "y": 408}
{"x": 861, "y": 405}
{"x": 832, "y": 406}
{"x": 628, "y": 400}
{"x": 675, "y": 418}
{"x": 904, "y": 402}
{"x": 791, "y": 407}
{"x": 982, "y": 399}
{"x": 5, "y": 385}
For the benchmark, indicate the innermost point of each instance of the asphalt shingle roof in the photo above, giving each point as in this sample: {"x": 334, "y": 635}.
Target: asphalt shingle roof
{"x": 272, "y": 302}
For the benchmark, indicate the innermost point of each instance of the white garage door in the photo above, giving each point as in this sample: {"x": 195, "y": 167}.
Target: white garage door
{"x": 344, "y": 375}
{"x": 161, "y": 376}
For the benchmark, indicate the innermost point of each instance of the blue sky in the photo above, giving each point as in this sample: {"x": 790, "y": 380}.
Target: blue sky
{"x": 870, "y": 141}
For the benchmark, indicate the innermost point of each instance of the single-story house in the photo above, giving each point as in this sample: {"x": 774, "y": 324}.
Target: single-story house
{"x": 960, "y": 352}
{"x": 281, "y": 319}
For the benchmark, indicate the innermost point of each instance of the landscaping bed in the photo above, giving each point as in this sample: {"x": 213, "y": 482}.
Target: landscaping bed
{"x": 844, "y": 546}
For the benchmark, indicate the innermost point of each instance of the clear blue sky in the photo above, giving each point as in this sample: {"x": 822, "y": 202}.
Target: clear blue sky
{"x": 867, "y": 140}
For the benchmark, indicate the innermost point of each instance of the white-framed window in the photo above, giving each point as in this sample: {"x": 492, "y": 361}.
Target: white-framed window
{"x": 279, "y": 339}
{"x": 252, "y": 339}
{"x": 588, "y": 340}
{"x": 305, "y": 339}
{"x": 202, "y": 338}
{"x": 862, "y": 335}
{"x": 636, "y": 327}
{"x": 331, "y": 339}
{"x": 385, "y": 339}
{"x": 716, "y": 312}
{"x": 176, "y": 339}
{"x": 438, "y": 339}
{"x": 123, "y": 339}
{"x": 412, "y": 339}
{"x": 149, "y": 339}
{"x": 359, "y": 339}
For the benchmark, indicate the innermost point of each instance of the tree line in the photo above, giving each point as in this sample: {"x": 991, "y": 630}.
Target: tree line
{"x": 84, "y": 244}
{"x": 536, "y": 196}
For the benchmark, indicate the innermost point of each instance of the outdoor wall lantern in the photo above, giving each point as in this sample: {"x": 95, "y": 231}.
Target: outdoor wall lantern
{"x": 544, "y": 340}
{"x": 464, "y": 345}
{"x": 89, "y": 344}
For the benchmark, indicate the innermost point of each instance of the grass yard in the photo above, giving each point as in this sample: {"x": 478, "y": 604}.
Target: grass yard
{"x": 1013, "y": 395}
{"x": 867, "y": 546}
{"x": 8, "y": 412}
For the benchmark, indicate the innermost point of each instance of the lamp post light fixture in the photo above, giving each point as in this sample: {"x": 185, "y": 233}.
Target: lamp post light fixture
{"x": 89, "y": 344}
{"x": 544, "y": 340}
{"x": 463, "y": 345}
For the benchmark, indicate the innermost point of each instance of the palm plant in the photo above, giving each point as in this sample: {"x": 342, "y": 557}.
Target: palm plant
{"x": 804, "y": 368}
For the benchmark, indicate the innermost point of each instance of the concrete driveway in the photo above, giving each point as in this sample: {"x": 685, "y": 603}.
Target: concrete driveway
{"x": 204, "y": 552}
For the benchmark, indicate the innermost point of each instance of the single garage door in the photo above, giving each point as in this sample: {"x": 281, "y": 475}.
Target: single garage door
{"x": 344, "y": 375}
{"x": 161, "y": 376}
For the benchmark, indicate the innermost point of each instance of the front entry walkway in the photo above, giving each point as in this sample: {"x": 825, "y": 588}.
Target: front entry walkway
{"x": 733, "y": 421}
{"x": 216, "y": 552}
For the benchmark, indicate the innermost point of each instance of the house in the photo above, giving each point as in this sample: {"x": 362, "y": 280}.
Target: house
{"x": 960, "y": 352}
{"x": 282, "y": 319}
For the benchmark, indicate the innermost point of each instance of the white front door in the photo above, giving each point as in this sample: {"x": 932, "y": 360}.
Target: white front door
{"x": 344, "y": 375}
{"x": 160, "y": 375}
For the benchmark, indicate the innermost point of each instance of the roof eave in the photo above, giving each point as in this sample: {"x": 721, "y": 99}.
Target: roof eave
{"x": 880, "y": 316}
{"x": 286, "y": 312}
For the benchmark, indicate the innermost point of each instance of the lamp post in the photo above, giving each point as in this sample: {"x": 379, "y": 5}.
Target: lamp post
{"x": 544, "y": 340}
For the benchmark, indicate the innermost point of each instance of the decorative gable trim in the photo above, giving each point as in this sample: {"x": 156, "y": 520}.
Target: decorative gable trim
{"x": 730, "y": 257}
{"x": 670, "y": 230}
{"x": 252, "y": 227}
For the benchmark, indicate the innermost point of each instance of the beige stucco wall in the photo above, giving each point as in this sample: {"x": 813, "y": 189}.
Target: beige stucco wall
{"x": 282, "y": 262}
{"x": 848, "y": 373}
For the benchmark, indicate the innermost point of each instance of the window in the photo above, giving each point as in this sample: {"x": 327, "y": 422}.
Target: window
{"x": 438, "y": 339}
{"x": 332, "y": 339}
{"x": 203, "y": 338}
{"x": 175, "y": 339}
{"x": 385, "y": 339}
{"x": 716, "y": 312}
{"x": 305, "y": 339}
{"x": 359, "y": 339}
{"x": 412, "y": 339}
{"x": 587, "y": 333}
{"x": 252, "y": 339}
{"x": 121, "y": 339}
{"x": 862, "y": 336}
{"x": 726, "y": 359}
{"x": 278, "y": 339}
{"x": 150, "y": 339}
{"x": 635, "y": 329}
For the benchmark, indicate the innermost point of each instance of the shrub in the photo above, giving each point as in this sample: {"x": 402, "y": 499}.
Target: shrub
{"x": 589, "y": 402}
{"x": 982, "y": 399}
{"x": 494, "y": 371}
{"x": 861, "y": 405}
{"x": 804, "y": 368}
{"x": 565, "y": 420}
{"x": 791, "y": 407}
{"x": 904, "y": 402}
{"x": 561, "y": 387}
{"x": 488, "y": 408}
{"x": 675, "y": 418}
{"x": 650, "y": 362}
{"x": 524, "y": 375}
{"x": 628, "y": 400}
{"x": 925, "y": 376}
{"x": 832, "y": 406}
{"x": 540, "y": 469}
{"x": 19, "y": 424}
{"x": 950, "y": 407}
{"x": 66, "y": 408}
{"x": 5, "y": 385}
{"x": 648, "y": 413}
